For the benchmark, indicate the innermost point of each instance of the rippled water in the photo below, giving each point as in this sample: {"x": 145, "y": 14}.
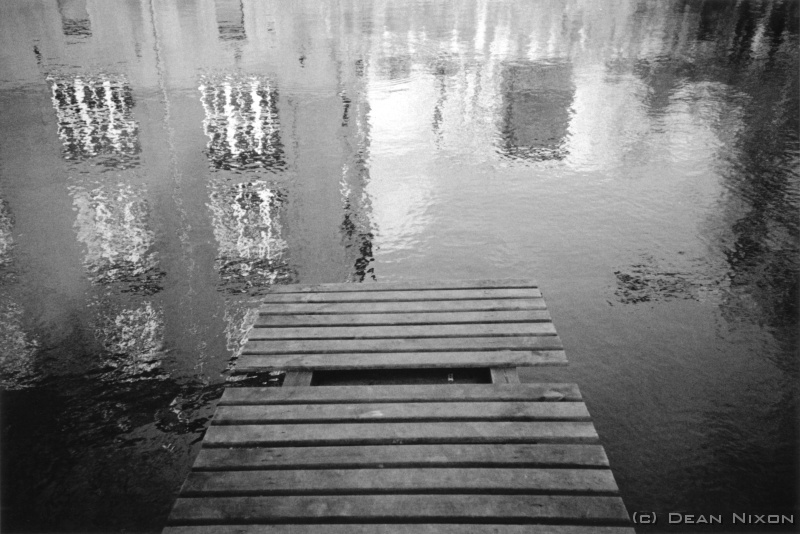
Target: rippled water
{"x": 164, "y": 163}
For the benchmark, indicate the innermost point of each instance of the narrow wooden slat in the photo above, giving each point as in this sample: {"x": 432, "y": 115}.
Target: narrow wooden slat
{"x": 297, "y": 379}
{"x": 409, "y": 393}
{"x": 390, "y": 528}
{"x": 411, "y": 285}
{"x": 412, "y": 480}
{"x": 399, "y": 412}
{"x": 400, "y": 360}
{"x": 398, "y": 296}
{"x": 331, "y": 346}
{"x": 304, "y": 435}
{"x": 389, "y": 319}
{"x": 504, "y": 375}
{"x": 495, "y": 455}
{"x": 406, "y": 331}
{"x": 405, "y": 307}
{"x": 453, "y": 508}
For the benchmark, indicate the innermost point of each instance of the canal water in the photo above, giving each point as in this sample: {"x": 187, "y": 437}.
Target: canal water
{"x": 163, "y": 164}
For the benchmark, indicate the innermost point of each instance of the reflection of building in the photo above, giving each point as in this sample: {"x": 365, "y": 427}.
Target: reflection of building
{"x": 230, "y": 20}
{"x": 74, "y": 18}
{"x": 356, "y": 226}
{"x": 241, "y": 122}
{"x": 95, "y": 120}
{"x": 111, "y": 223}
{"x": 16, "y": 345}
{"x": 132, "y": 338}
{"x": 536, "y": 110}
{"x": 245, "y": 220}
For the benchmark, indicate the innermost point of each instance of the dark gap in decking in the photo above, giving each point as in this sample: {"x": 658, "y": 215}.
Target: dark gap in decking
{"x": 392, "y": 377}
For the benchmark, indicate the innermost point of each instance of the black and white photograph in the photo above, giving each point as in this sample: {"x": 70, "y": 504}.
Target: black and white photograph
{"x": 399, "y": 266}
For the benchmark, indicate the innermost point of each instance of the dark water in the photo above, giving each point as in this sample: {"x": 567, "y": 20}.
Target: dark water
{"x": 164, "y": 163}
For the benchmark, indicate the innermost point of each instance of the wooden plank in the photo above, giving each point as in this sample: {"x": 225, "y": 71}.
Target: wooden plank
{"x": 391, "y": 480}
{"x": 406, "y": 331}
{"x": 400, "y": 360}
{"x": 495, "y": 455}
{"x": 331, "y": 346}
{"x": 412, "y": 285}
{"x": 405, "y": 307}
{"x": 453, "y": 508}
{"x": 406, "y": 393}
{"x": 304, "y": 435}
{"x": 397, "y": 528}
{"x": 504, "y": 375}
{"x": 402, "y": 412}
{"x": 388, "y": 319}
{"x": 407, "y": 295}
{"x": 297, "y": 378}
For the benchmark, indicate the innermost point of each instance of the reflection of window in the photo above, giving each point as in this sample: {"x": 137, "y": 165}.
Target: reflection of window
{"x": 6, "y": 238}
{"x": 536, "y": 110}
{"x": 133, "y": 339}
{"x": 245, "y": 219}
{"x": 111, "y": 223}
{"x": 74, "y": 18}
{"x": 95, "y": 120}
{"x": 242, "y": 123}
{"x": 230, "y": 20}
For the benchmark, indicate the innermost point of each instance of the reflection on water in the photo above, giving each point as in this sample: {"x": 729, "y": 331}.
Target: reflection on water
{"x": 639, "y": 158}
{"x": 241, "y": 123}
{"x": 536, "y": 103}
{"x": 111, "y": 222}
{"x": 95, "y": 120}
{"x": 132, "y": 338}
{"x": 230, "y": 20}
{"x": 248, "y": 233}
{"x": 74, "y": 18}
{"x": 17, "y": 346}
{"x": 356, "y": 228}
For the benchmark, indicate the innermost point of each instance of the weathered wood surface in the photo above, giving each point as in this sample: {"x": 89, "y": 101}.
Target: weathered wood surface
{"x": 256, "y": 468}
{"x": 402, "y": 412}
{"x": 307, "y": 435}
{"x": 422, "y": 306}
{"x": 419, "y": 508}
{"x": 414, "y": 285}
{"x": 420, "y": 393}
{"x": 474, "y": 324}
{"x": 332, "y": 346}
{"x": 398, "y": 528}
{"x": 395, "y": 481}
{"x": 504, "y": 457}
{"x": 297, "y": 378}
{"x": 504, "y": 375}
{"x": 394, "y": 332}
{"x": 400, "y": 360}
{"x": 448, "y": 455}
{"x": 399, "y": 296}
{"x": 391, "y": 319}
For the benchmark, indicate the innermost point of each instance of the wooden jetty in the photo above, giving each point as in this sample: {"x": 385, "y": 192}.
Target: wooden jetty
{"x": 501, "y": 457}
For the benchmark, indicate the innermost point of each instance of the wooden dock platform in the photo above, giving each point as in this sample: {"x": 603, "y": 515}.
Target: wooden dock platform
{"x": 502, "y": 457}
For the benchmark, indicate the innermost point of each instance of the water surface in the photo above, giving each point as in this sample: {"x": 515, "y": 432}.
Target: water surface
{"x": 163, "y": 164}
